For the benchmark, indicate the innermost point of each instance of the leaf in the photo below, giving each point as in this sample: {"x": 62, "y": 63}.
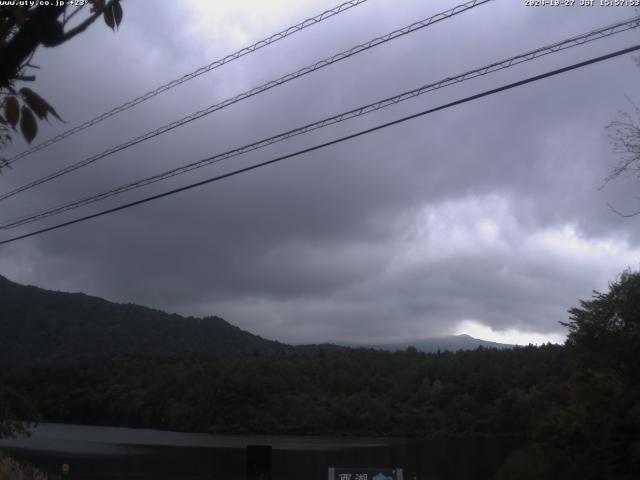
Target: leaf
{"x": 117, "y": 12}
{"x": 38, "y": 104}
{"x": 12, "y": 110}
{"x": 113, "y": 15}
{"x": 108, "y": 18}
{"x": 35, "y": 102}
{"x": 28, "y": 124}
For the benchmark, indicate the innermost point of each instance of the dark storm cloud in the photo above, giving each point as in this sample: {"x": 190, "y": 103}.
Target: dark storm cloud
{"x": 489, "y": 211}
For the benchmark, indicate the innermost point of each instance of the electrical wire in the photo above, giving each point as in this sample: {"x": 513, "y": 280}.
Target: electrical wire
{"x": 254, "y": 91}
{"x": 190, "y": 76}
{"x": 600, "y": 33}
{"x": 332, "y": 142}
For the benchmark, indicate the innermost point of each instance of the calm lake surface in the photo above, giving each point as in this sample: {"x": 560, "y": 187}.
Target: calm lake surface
{"x": 125, "y": 453}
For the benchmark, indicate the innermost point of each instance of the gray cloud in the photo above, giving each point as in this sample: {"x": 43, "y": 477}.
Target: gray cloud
{"x": 489, "y": 211}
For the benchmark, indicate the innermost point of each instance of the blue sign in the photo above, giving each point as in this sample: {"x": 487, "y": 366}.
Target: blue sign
{"x": 339, "y": 473}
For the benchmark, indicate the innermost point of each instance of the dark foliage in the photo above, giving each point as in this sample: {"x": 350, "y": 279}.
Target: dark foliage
{"x": 14, "y": 408}
{"x": 485, "y": 391}
{"x": 24, "y": 27}
{"x": 41, "y": 324}
{"x": 594, "y": 431}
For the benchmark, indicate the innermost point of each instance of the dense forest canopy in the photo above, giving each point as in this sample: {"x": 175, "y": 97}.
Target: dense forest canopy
{"x": 341, "y": 392}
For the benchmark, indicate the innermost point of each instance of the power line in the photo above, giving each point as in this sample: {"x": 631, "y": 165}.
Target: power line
{"x": 600, "y": 33}
{"x": 250, "y": 93}
{"x": 329, "y": 143}
{"x": 190, "y": 76}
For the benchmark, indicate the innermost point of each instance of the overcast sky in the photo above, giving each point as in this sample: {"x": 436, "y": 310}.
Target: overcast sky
{"x": 486, "y": 218}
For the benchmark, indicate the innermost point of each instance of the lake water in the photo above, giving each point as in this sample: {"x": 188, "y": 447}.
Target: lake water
{"x": 96, "y": 453}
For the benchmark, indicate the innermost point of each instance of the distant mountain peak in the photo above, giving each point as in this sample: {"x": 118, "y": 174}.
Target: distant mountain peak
{"x": 430, "y": 345}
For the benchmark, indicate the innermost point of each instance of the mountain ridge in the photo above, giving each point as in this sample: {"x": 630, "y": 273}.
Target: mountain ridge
{"x": 40, "y": 324}
{"x": 433, "y": 344}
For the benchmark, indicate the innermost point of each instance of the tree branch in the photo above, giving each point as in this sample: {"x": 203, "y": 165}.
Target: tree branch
{"x": 34, "y": 31}
{"x": 625, "y": 215}
{"x": 72, "y": 14}
{"x": 82, "y": 26}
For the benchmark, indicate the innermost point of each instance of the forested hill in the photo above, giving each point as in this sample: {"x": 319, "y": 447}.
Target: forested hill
{"x": 43, "y": 324}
